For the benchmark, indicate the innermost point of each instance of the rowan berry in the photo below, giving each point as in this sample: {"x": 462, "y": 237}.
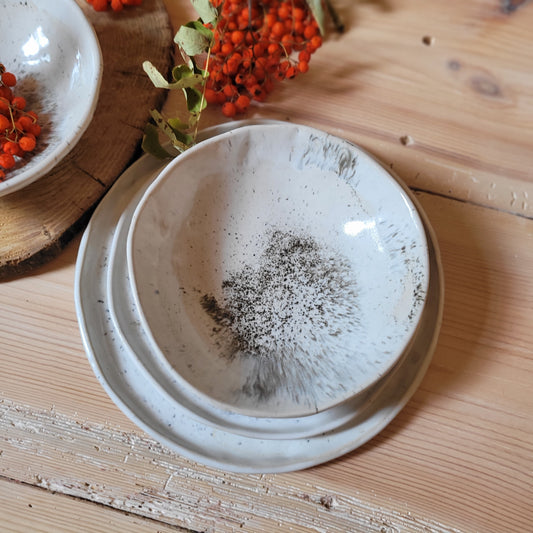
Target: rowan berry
{"x": 278, "y": 30}
{"x": 237, "y": 37}
{"x": 27, "y": 143}
{"x": 13, "y": 148}
{"x": 287, "y": 42}
{"x": 9, "y": 79}
{"x": 270, "y": 20}
{"x": 257, "y": 92}
{"x": 34, "y": 129}
{"x": 19, "y": 102}
{"x": 99, "y": 5}
{"x": 303, "y": 66}
{"x": 229, "y": 109}
{"x": 6, "y": 93}
{"x": 316, "y": 41}
{"x": 310, "y": 31}
{"x": 240, "y": 78}
{"x": 242, "y": 103}
{"x": 284, "y": 11}
{"x": 24, "y": 123}
{"x": 226, "y": 49}
{"x": 298, "y": 13}
{"x": 291, "y": 72}
{"x": 5, "y": 123}
{"x": 298, "y": 27}
{"x": 4, "y": 105}
{"x": 230, "y": 91}
{"x": 304, "y": 55}
{"x": 7, "y": 161}
{"x": 210, "y": 96}
{"x": 273, "y": 48}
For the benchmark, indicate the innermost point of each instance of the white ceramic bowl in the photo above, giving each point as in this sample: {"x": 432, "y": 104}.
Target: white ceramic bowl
{"x": 52, "y": 49}
{"x": 278, "y": 270}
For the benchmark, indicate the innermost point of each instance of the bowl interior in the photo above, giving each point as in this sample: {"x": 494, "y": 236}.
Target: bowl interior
{"x": 278, "y": 270}
{"x": 54, "y": 52}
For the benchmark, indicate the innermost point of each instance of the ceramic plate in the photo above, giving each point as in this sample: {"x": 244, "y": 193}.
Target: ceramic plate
{"x": 146, "y": 401}
{"x": 128, "y": 328}
{"x": 279, "y": 270}
{"x": 54, "y": 52}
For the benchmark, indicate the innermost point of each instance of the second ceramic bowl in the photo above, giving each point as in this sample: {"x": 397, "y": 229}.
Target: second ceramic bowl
{"x": 278, "y": 270}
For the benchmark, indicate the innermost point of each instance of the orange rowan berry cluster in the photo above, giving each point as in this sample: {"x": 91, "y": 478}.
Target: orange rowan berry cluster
{"x": 116, "y": 5}
{"x": 18, "y": 128}
{"x": 254, "y": 48}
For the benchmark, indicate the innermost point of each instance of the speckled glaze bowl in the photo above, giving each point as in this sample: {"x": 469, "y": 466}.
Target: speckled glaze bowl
{"x": 278, "y": 270}
{"x": 52, "y": 49}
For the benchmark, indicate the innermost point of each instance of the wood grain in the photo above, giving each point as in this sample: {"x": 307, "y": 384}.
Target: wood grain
{"x": 37, "y": 221}
{"x": 30, "y": 508}
{"x": 459, "y": 457}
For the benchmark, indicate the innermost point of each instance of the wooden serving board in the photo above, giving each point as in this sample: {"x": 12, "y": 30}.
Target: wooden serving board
{"x": 37, "y": 221}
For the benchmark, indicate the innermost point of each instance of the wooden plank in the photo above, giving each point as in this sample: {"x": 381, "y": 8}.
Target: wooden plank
{"x": 459, "y": 457}
{"x": 28, "y": 508}
{"x": 37, "y": 221}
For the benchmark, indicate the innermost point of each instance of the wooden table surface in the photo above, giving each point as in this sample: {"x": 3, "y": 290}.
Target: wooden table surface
{"x": 443, "y": 93}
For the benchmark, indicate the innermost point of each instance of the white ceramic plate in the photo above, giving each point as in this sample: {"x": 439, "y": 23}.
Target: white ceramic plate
{"x": 124, "y": 376}
{"x": 53, "y": 50}
{"x": 279, "y": 270}
{"x": 128, "y": 328}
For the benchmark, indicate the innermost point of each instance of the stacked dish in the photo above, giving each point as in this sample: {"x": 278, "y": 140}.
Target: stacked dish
{"x": 53, "y": 50}
{"x": 267, "y": 301}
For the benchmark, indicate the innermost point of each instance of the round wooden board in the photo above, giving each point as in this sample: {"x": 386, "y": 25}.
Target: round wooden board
{"x": 39, "y": 220}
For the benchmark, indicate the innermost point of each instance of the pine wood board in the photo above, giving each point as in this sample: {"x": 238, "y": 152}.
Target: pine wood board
{"x": 37, "y": 221}
{"x": 458, "y": 457}
{"x": 30, "y": 508}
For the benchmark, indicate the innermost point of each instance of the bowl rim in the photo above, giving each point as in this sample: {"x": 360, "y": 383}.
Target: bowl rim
{"x": 170, "y": 169}
{"x": 87, "y": 34}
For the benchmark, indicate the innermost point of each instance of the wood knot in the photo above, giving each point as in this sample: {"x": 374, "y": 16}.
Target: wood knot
{"x": 509, "y": 6}
{"x": 485, "y": 86}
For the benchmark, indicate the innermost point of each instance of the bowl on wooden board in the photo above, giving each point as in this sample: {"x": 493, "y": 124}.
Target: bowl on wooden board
{"x": 278, "y": 270}
{"x": 53, "y": 51}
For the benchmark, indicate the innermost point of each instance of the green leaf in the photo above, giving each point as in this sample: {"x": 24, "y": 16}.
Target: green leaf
{"x": 317, "y": 10}
{"x": 199, "y": 27}
{"x": 198, "y": 70}
{"x": 160, "y": 82}
{"x": 165, "y": 127}
{"x": 150, "y": 143}
{"x": 205, "y": 10}
{"x": 181, "y": 72}
{"x": 184, "y": 138}
{"x": 195, "y": 100}
{"x": 176, "y": 124}
{"x": 193, "y": 38}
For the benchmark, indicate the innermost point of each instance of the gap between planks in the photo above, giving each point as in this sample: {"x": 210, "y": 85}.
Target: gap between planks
{"x": 28, "y": 507}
